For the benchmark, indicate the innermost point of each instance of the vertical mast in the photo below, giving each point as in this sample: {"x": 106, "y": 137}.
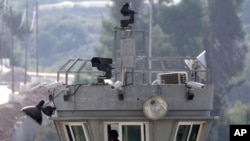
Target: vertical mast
{"x": 26, "y": 45}
{"x": 150, "y": 41}
{"x": 12, "y": 51}
{"x": 37, "y": 45}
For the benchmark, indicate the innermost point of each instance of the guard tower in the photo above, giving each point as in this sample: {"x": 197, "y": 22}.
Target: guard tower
{"x": 122, "y": 103}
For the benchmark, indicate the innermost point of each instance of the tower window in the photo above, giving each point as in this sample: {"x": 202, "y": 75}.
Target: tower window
{"x": 76, "y": 131}
{"x": 126, "y": 131}
{"x": 188, "y": 131}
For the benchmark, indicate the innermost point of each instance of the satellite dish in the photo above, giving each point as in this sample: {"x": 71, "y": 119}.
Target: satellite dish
{"x": 199, "y": 65}
{"x": 201, "y": 58}
{"x": 155, "y": 107}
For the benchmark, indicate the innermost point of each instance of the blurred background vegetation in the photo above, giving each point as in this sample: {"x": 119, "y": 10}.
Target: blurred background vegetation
{"x": 221, "y": 27}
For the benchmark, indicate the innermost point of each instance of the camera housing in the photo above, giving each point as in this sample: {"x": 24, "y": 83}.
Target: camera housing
{"x": 53, "y": 85}
{"x": 103, "y": 64}
{"x": 126, "y": 11}
{"x": 195, "y": 85}
{"x": 113, "y": 86}
{"x": 116, "y": 85}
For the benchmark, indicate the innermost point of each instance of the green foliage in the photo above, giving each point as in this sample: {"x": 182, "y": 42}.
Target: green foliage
{"x": 219, "y": 15}
{"x": 247, "y": 68}
{"x": 47, "y": 43}
{"x": 239, "y": 113}
{"x": 65, "y": 35}
{"x": 227, "y": 38}
{"x": 106, "y": 40}
{"x": 184, "y": 23}
{"x": 15, "y": 21}
{"x": 68, "y": 33}
{"x": 162, "y": 43}
{"x": 246, "y": 11}
{"x": 226, "y": 41}
{"x": 84, "y": 80}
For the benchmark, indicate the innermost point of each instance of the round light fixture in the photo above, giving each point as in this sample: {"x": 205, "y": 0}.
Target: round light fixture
{"x": 35, "y": 112}
{"x": 155, "y": 107}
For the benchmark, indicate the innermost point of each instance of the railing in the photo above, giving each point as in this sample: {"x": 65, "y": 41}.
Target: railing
{"x": 140, "y": 74}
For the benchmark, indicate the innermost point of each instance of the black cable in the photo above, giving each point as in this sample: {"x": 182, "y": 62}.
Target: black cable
{"x": 76, "y": 89}
{"x": 158, "y": 90}
{"x": 130, "y": 34}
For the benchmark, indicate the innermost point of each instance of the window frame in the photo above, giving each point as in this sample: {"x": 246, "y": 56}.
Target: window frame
{"x": 191, "y": 123}
{"x": 144, "y": 127}
{"x": 70, "y": 124}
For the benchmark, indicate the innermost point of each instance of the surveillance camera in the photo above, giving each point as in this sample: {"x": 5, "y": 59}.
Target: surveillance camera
{"x": 116, "y": 85}
{"x": 113, "y": 86}
{"x": 37, "y": 88}
{"x": 195, "y": 85}
{"x": 108, "y": 81}
{"x": 126, "y": 11}
{"x": 53, "y": 85}
{"x": 103, "y": 64}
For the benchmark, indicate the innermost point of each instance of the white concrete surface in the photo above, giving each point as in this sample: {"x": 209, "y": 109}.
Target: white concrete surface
{"x": 4, "y": 94}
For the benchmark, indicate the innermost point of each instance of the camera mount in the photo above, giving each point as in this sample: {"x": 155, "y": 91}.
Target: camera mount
{"x": 127, "y": 12}
{"x": 103, "y": 64}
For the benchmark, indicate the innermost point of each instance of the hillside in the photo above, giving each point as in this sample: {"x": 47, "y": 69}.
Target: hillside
{"x": 70, "y": 42}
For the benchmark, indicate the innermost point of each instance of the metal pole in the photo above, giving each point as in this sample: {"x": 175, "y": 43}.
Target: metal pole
{"x": 150, "y": 40}
{"x": 2, "y": 49}
{"x": 37, "y": 45}
{"x": 26, "y": 46}
{"x": 12, "y": 51}
{"x": 2, "y": 44}
{"x": 144, "y": 53}
{"x": 115, "y": 49}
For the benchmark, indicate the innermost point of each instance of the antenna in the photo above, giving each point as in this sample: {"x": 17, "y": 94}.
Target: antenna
{"x": 199, "y": 65}
{"x": 201, "y": 58}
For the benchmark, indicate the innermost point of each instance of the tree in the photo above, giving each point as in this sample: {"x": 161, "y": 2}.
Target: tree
{"x": 12, "y": 23}
{"x": 162, "y": 43}
{"x": 15, "y": 20}
{"x": 183, "y": 22}
{"x": 239, "y": 113}
{"x": 68, "y": 33}
{"x": 226, "y": 39}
